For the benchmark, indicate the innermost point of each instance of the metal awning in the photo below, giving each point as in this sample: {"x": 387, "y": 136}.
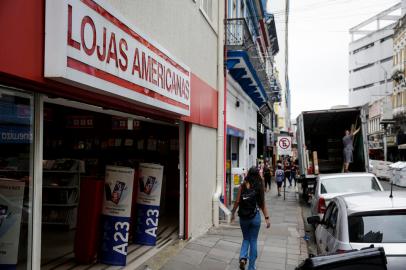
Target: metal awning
{"x": 245, "y": 62}
{"x": 242, "y": 70}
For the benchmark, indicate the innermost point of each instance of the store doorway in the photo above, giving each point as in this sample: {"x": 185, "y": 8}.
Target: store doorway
{"x": 233, "y": 161}
{"x": 79, "y": 142}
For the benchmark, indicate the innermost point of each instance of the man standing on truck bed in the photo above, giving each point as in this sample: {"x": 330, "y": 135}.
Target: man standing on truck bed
{"x": 348, "y": 147}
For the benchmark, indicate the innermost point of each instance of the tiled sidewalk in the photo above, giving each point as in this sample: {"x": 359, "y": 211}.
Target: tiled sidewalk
{"x": 280, "y": 247}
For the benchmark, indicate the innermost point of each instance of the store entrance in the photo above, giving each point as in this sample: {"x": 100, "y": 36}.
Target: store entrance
{"x": 78, "y": 145}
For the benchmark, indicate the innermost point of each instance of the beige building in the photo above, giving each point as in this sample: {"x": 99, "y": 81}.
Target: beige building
{"x": 398, "y": 71}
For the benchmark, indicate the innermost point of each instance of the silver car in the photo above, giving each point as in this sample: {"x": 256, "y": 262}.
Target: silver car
{"x": 355, "y": 221}
{"x": 329, "y": 186}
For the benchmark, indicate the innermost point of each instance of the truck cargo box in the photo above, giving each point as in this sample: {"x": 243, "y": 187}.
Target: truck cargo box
{"x": 323, "y": 131}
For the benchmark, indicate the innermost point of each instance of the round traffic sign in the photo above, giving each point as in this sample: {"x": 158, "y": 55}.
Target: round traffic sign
{"x": 284, "y": 143}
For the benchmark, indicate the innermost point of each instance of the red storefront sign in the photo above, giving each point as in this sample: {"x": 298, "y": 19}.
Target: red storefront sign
{"x": 89, "y": 44}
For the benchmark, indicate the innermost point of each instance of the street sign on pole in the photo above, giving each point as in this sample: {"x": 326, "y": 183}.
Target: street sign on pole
{"x": 284, "y": 145}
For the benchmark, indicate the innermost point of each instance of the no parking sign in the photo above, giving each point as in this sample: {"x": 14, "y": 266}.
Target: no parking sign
{"x": 284, "y": 145}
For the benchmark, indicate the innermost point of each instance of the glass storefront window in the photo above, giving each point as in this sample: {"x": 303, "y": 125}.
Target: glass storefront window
{"x": 16, "y": 174}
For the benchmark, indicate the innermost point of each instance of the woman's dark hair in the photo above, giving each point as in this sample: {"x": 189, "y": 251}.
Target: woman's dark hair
{"x": 255, "y": 180}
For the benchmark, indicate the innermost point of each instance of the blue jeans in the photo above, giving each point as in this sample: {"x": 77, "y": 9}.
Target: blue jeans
{"x": 292, "y": 177}
{"x": 250, "y": 229}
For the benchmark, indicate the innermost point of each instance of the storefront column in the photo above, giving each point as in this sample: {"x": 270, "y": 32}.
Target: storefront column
{"x": 182, "y": 180}
{"x": 37, "y": 194}
{"x": 186, "y": 190}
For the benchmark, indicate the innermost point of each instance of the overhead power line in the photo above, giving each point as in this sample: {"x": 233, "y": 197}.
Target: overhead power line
{"x": 310, "y": 6}
{"x": 325, "y": 4}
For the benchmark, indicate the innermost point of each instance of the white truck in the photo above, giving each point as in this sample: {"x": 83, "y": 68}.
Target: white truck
{"x": 320, "y": 147}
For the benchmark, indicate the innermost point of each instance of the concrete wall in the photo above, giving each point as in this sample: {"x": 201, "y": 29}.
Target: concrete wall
{"x": 374, "y": 75}
{"x": 371, "y": 74}
{"x": 181, "y": 28}
{"x": 370, "y": 94}
{"x": 243, "y": 117}
{"x": 202, "y": 175}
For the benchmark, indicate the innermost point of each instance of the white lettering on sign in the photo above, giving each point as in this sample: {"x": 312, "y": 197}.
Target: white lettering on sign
{"x": 121, "y": 236}
{"x": 152, "y": 220}
{"x": 88, "y": 42}
{"x": 11, "y": 136}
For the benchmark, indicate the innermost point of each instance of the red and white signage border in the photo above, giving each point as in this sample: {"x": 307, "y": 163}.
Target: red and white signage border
{"x": 90, "y": 45}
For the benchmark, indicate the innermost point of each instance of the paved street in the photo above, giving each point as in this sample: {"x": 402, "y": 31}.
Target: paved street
{"x": 280, "y": 247}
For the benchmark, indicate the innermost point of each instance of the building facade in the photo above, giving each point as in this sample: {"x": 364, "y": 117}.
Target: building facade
{"x": 375, "y": 130}
{"x": 86, "y": 85}
{"x": 398, "y": 69}
{"x": 370, "y": 59}
{"x": 251, "y": 44}
{"x": 399, "y": 88}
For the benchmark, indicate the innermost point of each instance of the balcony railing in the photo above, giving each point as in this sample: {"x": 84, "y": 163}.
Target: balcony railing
{"x": 238, "y": 33}
{"x": 238, "y": 37}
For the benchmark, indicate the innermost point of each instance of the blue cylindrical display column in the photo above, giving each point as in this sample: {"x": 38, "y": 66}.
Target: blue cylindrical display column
{"x": 116, "y": 215}
{"x": 148, "y": 201}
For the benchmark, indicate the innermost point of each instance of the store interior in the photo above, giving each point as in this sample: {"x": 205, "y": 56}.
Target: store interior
{"x": 78, "y": 145}
{"x": 16, "y": 152}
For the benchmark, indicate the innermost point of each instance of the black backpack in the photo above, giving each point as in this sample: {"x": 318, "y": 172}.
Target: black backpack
{"x": 248, "y": 203}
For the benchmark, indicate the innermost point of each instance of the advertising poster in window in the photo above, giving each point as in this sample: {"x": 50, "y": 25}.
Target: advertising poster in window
{"x": 11, "y": 203}
{"x": 118, "y": 191}
{"x": 148, "y": 202}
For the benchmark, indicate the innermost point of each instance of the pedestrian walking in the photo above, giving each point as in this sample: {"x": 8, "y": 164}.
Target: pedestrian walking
{"x": 267, "y": 176}
{"x": 279, "y": 163}
{"x": 348, "y": 147}
{"x": 261, "y": 168}
{"x": 250, "y": 198}
{"x": 287, "y": 169}
{"x": 279, "y": 178}
{"x": 293, "y": 171}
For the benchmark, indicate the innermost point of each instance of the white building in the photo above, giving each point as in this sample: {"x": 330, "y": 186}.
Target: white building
{"x": 251, "y": 86}
{"x": 241, "y": 115}
{"x": 370, "y": 58}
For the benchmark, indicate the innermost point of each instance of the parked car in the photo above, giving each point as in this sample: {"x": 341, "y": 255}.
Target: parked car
{"x": 370, "y": 258}
{"x": 355, "y": 221}
{"x": 329, "y": 186}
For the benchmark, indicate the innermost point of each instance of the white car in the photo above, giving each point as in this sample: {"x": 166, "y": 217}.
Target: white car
{"x": 356, "y": 221}
{"x": 329, "y": 186}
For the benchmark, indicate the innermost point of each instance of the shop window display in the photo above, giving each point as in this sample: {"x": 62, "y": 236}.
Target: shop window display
{"x": 78, "y": 147}
{"x": 16, "y": 157}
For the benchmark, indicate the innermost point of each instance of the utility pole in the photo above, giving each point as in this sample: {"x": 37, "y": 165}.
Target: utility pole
{"x": 287, "y": 96}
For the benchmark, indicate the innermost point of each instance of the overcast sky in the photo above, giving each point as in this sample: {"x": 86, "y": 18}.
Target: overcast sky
{"x": 318, "y": 47}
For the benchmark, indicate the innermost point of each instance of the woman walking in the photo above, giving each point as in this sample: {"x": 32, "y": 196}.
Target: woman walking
{"x": 250, "y": 199}
{"x": 279, "y": 178}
